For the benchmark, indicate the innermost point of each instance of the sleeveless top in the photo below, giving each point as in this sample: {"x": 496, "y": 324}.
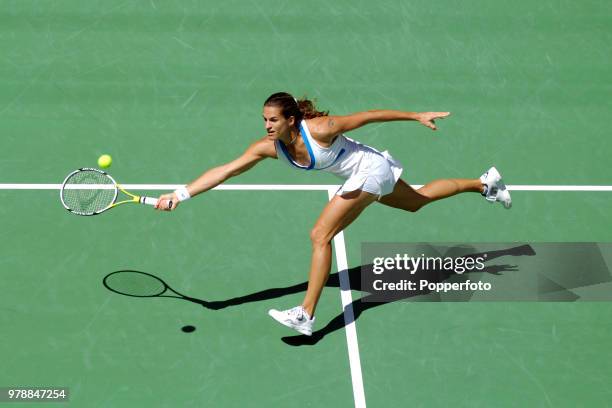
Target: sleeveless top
{"x": 342, "y": 158}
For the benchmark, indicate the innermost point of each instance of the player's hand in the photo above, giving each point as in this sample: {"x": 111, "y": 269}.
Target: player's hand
{"x": 428, "y": 118}
{"x": 167, "y": 202}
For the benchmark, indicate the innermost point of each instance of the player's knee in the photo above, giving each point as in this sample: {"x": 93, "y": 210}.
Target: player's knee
{"x": 319, "y": 236}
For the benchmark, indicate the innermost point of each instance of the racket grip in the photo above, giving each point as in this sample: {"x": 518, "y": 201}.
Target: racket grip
{"x": 148, "y": 200}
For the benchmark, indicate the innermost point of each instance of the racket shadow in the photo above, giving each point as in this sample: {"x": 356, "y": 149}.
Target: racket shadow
{"x": 132, "y": 283}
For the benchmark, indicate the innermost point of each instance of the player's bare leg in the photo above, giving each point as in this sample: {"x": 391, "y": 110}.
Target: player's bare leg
{"x": 337, "y": 215}
{"x": 490, "y": 184}
{"x": 406, "y": 198}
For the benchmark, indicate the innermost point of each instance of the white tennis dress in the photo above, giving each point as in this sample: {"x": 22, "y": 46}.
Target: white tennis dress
{"x": 363, "y": 167}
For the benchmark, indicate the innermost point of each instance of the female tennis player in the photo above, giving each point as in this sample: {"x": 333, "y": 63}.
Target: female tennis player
{"x": 308, "y": 139}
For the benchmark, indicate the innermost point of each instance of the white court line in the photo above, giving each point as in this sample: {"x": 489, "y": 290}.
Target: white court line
{"x": 559, "y": 188}
{"x": 272, "y": 187}
{"x": 294, "y": 187}
{"x": 349, "y": 315}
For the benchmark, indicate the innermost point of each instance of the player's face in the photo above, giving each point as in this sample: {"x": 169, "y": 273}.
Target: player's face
{"x": 276, "y": 124}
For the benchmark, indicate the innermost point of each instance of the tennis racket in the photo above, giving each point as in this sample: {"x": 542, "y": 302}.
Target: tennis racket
{"x": 91, "y": 191}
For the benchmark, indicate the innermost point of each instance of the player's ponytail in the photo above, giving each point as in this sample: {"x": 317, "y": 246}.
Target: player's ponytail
{"x": 290, "y": 106}
{"x": 309, "y": 110}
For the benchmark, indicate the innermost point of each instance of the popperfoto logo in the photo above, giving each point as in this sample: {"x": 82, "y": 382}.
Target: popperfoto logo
{"x": 485, "y": 272}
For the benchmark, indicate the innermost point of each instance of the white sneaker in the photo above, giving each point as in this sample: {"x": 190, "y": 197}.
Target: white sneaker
{"x": 295, "y": 318}
{"x": 495, "y": 188}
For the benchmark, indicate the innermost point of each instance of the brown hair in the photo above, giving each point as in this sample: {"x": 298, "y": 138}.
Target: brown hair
{"x": 300, "y": 109}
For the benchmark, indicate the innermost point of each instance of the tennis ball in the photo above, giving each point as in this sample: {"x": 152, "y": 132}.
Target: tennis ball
{"x": 105, "y": 161}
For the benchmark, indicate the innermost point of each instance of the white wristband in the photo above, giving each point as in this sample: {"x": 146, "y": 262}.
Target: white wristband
{"x": 182, "y": 193}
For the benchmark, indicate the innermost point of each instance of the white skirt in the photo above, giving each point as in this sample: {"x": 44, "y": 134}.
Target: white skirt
{"x": 377, "y": 174}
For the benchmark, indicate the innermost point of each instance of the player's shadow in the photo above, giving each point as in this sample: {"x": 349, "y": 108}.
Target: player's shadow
{"x": 365, "y": 302}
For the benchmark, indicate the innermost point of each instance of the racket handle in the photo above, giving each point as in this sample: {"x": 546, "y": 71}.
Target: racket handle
{"x": 148, "y": 200}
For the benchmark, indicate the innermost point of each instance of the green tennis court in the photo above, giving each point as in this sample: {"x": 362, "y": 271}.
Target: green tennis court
{"x": 170, "y": 89}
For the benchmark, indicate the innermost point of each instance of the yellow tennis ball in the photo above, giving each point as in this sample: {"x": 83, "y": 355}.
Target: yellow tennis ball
{"x": 105, "y": 161}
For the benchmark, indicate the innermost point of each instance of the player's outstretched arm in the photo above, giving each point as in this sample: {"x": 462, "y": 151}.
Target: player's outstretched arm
{"x": 258, "y": 151}
{"x": 334, "y": 125}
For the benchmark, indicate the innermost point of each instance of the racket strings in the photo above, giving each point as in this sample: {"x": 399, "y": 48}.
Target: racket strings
{"x": 88, "y": 192}
{"x": 132, "y": 283}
